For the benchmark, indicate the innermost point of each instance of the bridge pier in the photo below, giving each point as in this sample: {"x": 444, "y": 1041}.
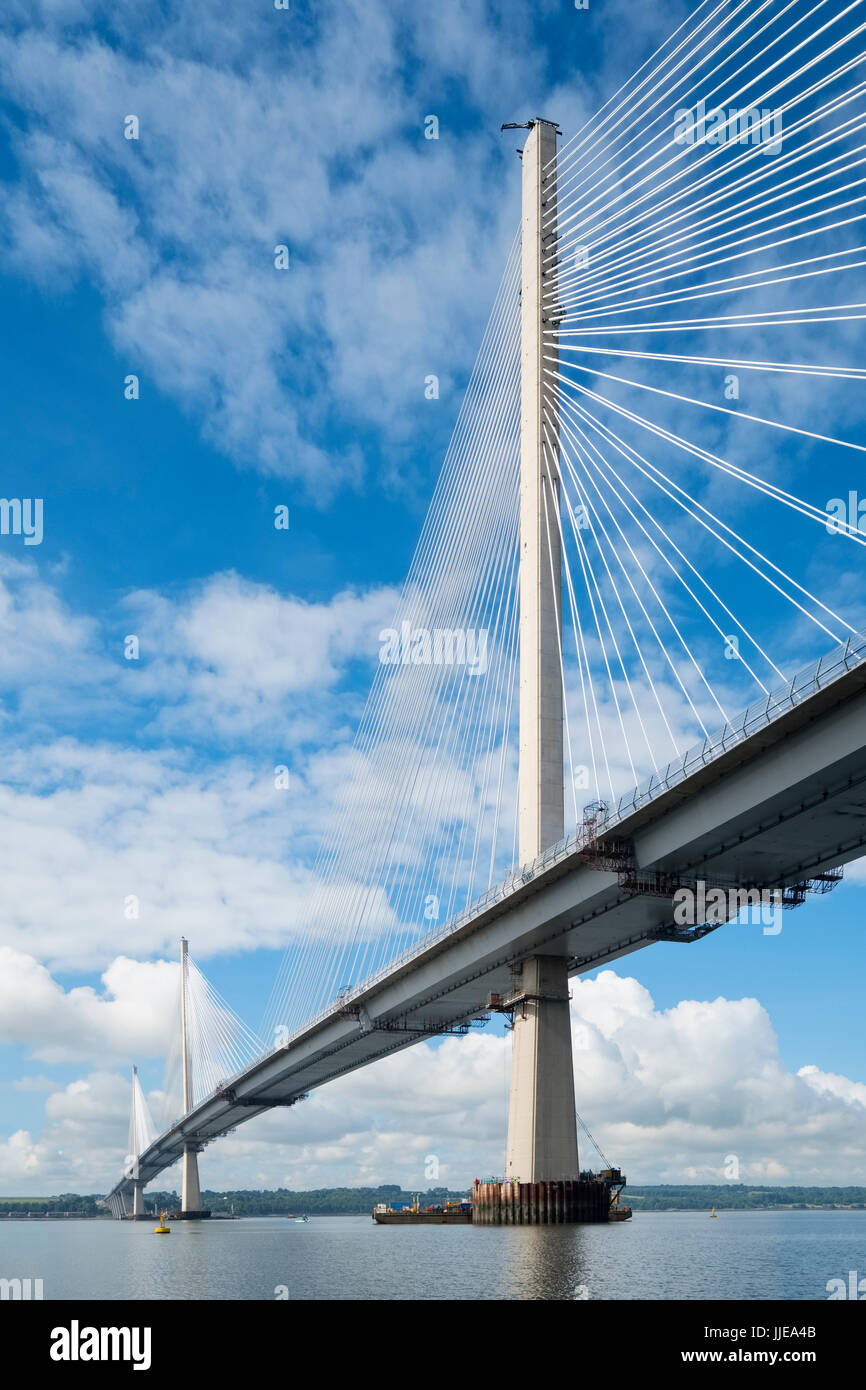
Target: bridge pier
{"x": 190, "y": 1199}
{"x": 138, "y": 1212}
{"x": 190, "y": 1190}
{"x": 542, "y": 1125}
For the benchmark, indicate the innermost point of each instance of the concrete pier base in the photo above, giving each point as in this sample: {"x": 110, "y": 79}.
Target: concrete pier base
{"x": 542, "y": 1123}
{"x": 540, "y": 1203}
{"x": 190, "y": 1190}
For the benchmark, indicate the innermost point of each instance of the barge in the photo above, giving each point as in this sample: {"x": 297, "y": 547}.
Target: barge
{"x": 452, "y": 1213}
{"x": 593, "y": 1197}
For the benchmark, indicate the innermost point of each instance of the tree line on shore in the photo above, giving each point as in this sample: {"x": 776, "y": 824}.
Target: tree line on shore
{"x": 741, "y": 1197}
{"x": 335, "y": 1201}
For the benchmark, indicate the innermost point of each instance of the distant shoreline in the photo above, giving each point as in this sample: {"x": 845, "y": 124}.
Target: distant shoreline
{"x": 347, "y": 1201}
{"x": 60, "y": 1218}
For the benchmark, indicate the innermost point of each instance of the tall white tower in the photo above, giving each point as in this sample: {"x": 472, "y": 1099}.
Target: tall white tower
{"x": 542, "y": 1126}
{"x": 190, "y": 1191}
{"x": 137, "y": 1188}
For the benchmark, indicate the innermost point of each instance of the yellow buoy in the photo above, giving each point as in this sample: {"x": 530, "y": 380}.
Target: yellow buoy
{"x": 162, "y": 1229}
{"x": 713, "y": 1212}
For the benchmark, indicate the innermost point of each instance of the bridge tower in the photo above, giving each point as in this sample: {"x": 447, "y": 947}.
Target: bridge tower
{"x": 542, "y": 1125}
{"x": 190, "y": 1190}
{"x": 138, "y": 1212}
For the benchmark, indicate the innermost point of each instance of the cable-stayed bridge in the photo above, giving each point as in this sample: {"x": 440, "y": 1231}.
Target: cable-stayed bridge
{"x": 633, "y": 537}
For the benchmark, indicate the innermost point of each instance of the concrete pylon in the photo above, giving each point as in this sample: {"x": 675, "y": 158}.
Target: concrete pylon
{"x": 542, "y": 1125}
{"x": 190, "y": 1189}
{"x": 137, "y": 1200}
{"x": 540, "y": 780}
{"x": 190, "y": 1197}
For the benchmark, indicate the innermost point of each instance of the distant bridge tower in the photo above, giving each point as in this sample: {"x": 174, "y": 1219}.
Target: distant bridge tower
{"x": 542, "y": 1126}
{"x": 138, "y": 1211}
{"x": 190, "y": 1191}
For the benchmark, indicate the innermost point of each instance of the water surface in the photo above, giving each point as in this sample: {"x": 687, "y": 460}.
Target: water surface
{"x": 657, "y": 1255}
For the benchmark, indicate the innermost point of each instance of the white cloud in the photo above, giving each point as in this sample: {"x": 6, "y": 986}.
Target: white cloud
{"x": 830, "y": 1084}
{"x": 247, "y": 142}
{"x": 226, "y": 658}
{"x": 133, "y": 1015}
{"x": 40, "y": 636}
{"x": 208, "y": 844}
{"x": 205, "y": 852}
{"x": 237, "y": 655}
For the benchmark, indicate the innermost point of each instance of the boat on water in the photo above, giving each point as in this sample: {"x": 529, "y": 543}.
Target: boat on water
{"x": 618, "y": 1211}
{"x": 451, "y": 1213}
{"x": 300, "y": 1218}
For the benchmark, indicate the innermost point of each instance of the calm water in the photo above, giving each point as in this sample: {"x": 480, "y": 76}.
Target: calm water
{"x": 742, "y": 1255}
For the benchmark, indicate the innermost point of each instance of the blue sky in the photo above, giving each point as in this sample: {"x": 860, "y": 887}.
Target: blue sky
{"x": 305, "y": 388}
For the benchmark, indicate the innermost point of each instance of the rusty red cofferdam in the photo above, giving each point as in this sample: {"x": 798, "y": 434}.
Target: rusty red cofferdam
{"x": 540, "y": 1203}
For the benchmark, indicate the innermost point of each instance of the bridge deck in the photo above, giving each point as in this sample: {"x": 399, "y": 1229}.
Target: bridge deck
{"x": 775, "y": 798}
